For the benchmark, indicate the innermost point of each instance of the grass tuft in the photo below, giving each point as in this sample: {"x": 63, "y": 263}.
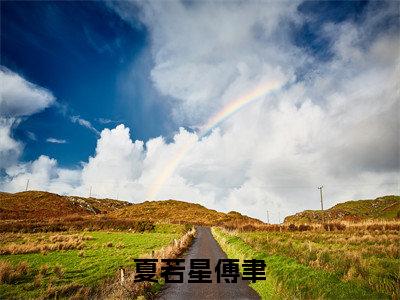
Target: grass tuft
{"x": 58, "y": 271}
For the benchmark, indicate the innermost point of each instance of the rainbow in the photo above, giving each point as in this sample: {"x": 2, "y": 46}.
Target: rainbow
{"x": 227, "y": 111}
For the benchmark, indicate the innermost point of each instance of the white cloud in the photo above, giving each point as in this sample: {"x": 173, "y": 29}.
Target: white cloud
{"x": 205, "y": 54}
{"x": 117, "y": 162}
{"x": 19, "y": 97}
{"x": 84, "y": 123}
{"x": 43, "y": 174}
{"x": 55, "y": 141}
{"x": 10, "y": 149}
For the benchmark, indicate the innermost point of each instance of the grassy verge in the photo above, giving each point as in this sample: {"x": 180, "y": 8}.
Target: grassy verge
{"x": 287, "y": 278}
{"x": 367, "y": 258}
{"x": 62, "y": 269}
{"x": 131, "y": 290}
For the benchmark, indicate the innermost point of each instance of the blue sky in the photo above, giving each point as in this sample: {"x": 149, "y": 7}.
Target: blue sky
{"x": 74, "y": 70}
{"x": 81, "y": 52}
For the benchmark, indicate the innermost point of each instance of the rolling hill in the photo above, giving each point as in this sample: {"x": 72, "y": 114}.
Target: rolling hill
{"x": 44, "y": 205}
{"x": 174, "y": 211}
{"x": 39, "y": 206}
{"x": 383, "y": 208}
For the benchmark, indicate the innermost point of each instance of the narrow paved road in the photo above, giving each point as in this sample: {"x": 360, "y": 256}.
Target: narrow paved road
{"x": 205, "y": 246}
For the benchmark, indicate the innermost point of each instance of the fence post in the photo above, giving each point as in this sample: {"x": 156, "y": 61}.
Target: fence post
{"x": 122, "y": 276}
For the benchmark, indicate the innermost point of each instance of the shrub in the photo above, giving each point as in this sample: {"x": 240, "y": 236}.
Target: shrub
{"x": 333, "y": 226}
{"x": 248, "y": 227}
{"x": 144, "y": 226}
{"x": 304, "y": 227}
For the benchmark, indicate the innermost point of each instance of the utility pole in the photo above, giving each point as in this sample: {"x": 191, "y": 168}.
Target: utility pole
{"x": 267, "y": 216}
{"x": 90, "y": 192}
{"x": 320, "y": 192}
{"x": 322, "y": 202}
{"x": 27, "y": 185}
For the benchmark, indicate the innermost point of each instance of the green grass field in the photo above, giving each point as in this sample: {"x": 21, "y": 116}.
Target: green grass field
{"x": 320, "y": 265}
{"x": 97, "y": 256}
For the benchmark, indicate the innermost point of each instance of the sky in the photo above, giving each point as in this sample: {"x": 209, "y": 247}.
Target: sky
{"x": 245, "y": 106}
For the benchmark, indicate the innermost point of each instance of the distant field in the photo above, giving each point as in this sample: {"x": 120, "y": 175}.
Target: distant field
{"x": 349, "y": 264}
{"x": 36, "y": 265}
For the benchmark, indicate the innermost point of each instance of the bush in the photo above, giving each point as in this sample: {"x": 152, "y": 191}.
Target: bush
{"x": 333, "y": 226}
{"x": 248, "y": 227}
{"x": 304, "y": 227}
{"x": 142, "y": 226}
